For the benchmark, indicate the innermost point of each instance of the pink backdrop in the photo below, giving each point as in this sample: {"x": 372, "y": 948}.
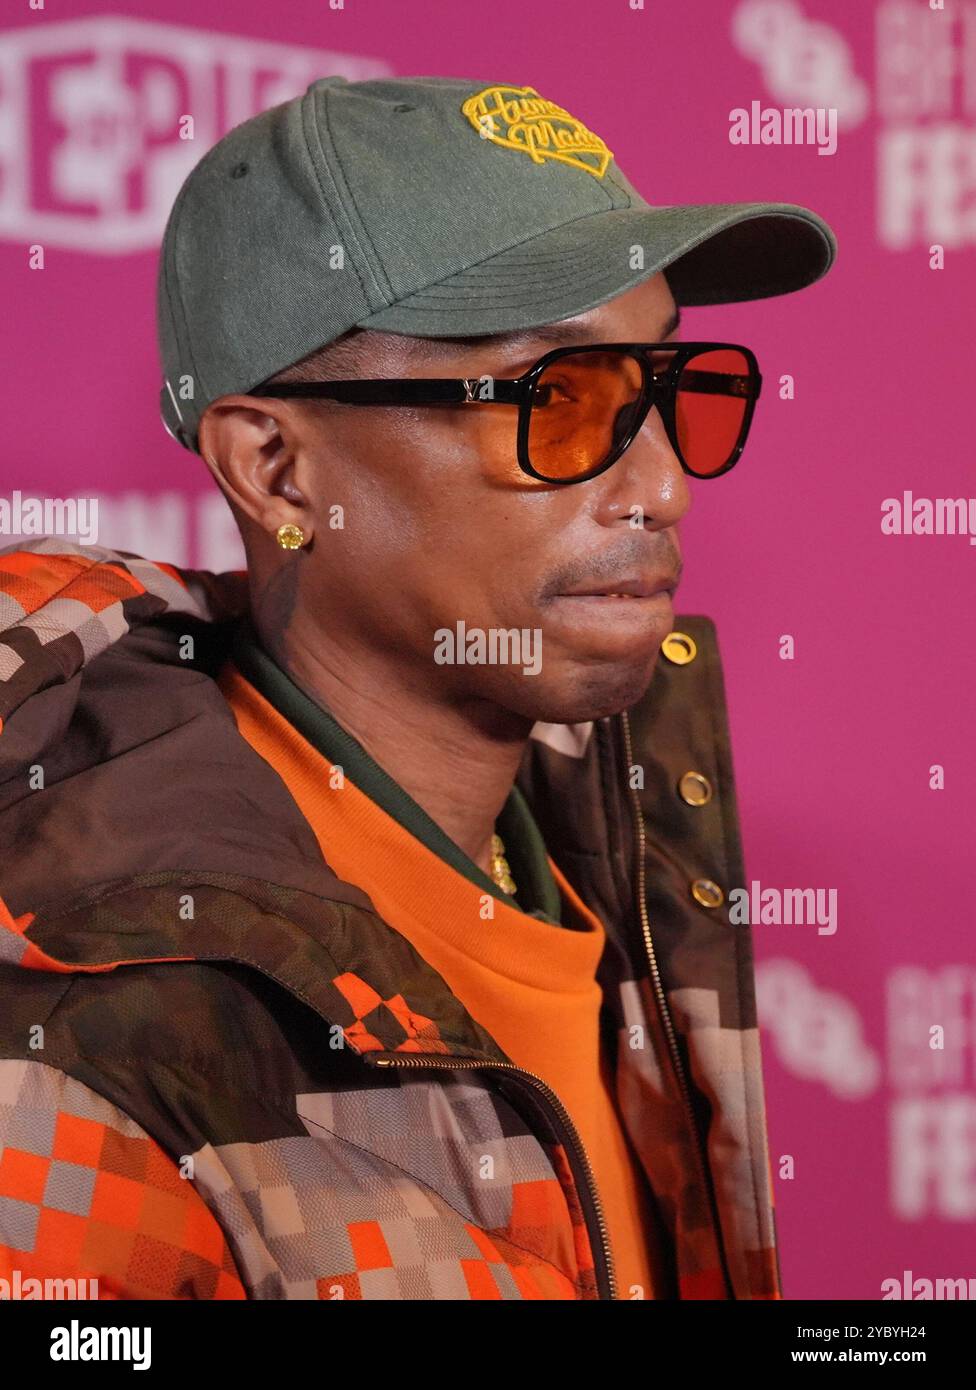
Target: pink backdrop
{"x": 834, "y": 749}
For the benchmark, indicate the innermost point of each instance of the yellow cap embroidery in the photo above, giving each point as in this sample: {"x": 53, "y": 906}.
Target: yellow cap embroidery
{"x": 519, "y": 119}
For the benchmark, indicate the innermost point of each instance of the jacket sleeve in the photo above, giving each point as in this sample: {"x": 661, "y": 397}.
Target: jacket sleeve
{"x": 85, "y": 1193}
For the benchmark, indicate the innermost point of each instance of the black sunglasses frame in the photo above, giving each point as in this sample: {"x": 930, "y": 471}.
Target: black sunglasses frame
{"x": 656, "y": 390}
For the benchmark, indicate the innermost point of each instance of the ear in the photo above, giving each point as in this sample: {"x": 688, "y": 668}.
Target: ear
{"x": 250, "y": 445}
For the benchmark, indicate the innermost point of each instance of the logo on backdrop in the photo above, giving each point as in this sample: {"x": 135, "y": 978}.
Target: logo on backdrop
{"x": 95, "y": 116}
{"x": 818, "y": 1033}
{"x": 802, "y": 60}
{"x": 924, "y": 100}
{"x": 927, "y": 1070}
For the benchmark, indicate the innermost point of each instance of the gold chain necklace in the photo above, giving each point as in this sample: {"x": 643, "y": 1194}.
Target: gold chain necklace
{"x": 500, "y": 871}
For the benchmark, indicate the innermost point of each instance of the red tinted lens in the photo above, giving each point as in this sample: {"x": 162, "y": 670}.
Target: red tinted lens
{"x": 714, "y": 391}
{"x": 583, "y": 405}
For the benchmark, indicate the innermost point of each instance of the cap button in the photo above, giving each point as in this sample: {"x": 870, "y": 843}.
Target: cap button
{"x": 679, "y": 648}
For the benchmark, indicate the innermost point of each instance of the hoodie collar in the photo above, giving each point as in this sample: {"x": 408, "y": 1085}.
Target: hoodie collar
{"x": 516, "y": 823}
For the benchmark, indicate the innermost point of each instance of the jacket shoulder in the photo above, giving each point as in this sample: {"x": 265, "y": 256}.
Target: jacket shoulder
{"x": 87, "y": 1194}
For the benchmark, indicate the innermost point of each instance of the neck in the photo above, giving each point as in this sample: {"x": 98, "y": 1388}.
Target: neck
{"x": 456, "y": 757}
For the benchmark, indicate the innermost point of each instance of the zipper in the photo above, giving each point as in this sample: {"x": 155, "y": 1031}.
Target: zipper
{"x": 549, "y": 1095}
{"x": 662, "y": 1003}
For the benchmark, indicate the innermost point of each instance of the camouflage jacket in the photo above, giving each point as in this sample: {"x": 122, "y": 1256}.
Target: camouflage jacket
{"x": 270, "y": 1094}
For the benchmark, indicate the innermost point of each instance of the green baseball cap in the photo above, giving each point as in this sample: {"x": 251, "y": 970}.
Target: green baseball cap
{"x": 436, "y": 208}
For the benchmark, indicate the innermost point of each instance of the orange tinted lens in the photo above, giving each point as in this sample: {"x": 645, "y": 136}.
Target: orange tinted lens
{"x": 583, "y": 405}
{"x": 714, "y": 390}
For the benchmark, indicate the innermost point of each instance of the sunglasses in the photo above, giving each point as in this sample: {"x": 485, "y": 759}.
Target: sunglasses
{"x": 579, "y": 408}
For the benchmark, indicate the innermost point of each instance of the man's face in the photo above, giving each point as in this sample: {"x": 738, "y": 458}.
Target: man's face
{"x": 441, "y": 526}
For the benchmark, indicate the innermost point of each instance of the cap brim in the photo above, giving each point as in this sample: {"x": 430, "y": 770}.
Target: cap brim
{"x": 715, "y": 253}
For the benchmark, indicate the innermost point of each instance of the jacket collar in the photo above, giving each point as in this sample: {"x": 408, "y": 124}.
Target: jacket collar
{"x": 61, "y": 609}
{"x": 107, "y": 682}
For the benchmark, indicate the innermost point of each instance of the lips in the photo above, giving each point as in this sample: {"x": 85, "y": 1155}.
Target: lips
{"x": 629, "y": 588}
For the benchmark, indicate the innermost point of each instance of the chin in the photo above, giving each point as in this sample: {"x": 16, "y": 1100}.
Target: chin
{"x": 583, "y": 693}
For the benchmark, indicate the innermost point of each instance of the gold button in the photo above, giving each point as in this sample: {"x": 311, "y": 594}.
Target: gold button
{"x": 709, "y": 894}
{"x": 679, "y": 648}
{"x": 695, "y": 788}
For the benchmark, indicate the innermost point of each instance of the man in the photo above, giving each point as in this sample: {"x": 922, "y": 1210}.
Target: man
{"x": 363, "y": 918}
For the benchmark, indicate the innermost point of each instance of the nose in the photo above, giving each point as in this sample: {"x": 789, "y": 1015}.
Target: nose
{"x": 646, "y": 482}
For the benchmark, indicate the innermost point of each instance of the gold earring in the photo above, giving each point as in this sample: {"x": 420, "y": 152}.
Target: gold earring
{"x": 290, "y": 537}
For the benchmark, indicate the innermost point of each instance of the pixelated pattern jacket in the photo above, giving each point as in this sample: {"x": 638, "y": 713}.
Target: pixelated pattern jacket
{"x": 223, "y": 1075}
